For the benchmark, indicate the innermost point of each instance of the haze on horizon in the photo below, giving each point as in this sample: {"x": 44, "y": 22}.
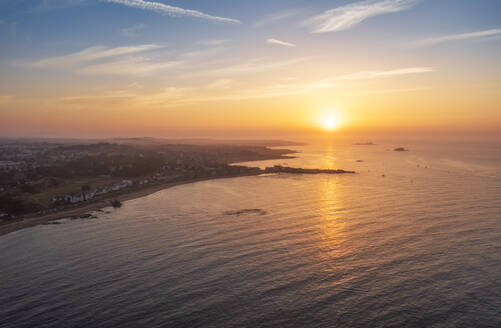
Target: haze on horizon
{"x": 194, "y": 68}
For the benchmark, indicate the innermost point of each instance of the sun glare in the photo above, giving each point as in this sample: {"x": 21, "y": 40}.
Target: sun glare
{"x": 331, "y": 123}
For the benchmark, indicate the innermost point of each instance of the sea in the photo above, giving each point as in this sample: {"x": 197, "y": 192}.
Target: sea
{"x": 413, "y": 239}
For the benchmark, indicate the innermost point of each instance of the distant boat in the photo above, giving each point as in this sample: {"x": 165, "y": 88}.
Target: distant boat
{"x": 116, "y": 203}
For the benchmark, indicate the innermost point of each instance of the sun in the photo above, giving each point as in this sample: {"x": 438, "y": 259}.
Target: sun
{"x": 330, "y": 119}
{"x": 331, "y": 123}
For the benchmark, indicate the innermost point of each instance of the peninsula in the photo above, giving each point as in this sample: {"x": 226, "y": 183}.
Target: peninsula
{"x": 42, "y": 181}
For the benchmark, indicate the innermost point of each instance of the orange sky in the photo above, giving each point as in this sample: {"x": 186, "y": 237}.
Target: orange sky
{"x": 274, "y": 71}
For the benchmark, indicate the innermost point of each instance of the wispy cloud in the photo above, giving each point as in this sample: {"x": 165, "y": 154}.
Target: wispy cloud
{"x": 348, "y": 16}
{"x": 132, "y": 31}
{"x": 456, "y": 37}
{"x": 173, "y": 96}
{"x": 139, "y": 66}
{"x": 257, "y": 65}
{"x": 213, "y": 42}
{"x": 281, "y": 43}
{"x": 99, "y": 60}
{"x": 273, "y": 91}
{"x": 111, "y": 96}
{"x": 384, "y": 91}
{"x": 203, "y": 52}
{"x": 172, "y": 11}
{"x": 91, "y": 54}
{"x": 276, "y": 17}
{"x": 199, "y": 94}
{"x": 382, "y": 74}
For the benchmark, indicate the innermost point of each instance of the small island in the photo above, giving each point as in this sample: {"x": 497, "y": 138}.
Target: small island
{"x": 400, "y": 149}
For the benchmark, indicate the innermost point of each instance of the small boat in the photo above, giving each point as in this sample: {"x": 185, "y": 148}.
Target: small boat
{"x": 116, "y": 203}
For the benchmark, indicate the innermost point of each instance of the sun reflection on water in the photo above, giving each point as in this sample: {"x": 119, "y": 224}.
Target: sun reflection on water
{"x": 332, "y": 224}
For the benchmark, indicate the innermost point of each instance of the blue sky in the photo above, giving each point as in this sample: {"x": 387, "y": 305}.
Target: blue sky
{"x": 51, "y": 26}
{"x": 219, "y": 51}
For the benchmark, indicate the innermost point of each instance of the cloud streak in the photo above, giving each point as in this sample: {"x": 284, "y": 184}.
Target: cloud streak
{"x": 348, "y": 16}
{"x": 369, "y": 75}
{"x": 99, "y": 60}
{"x": 138, "y": 66}
{"x": 213, "y": 42}
{"x": 456, "y": 37}
{"x": 203, "y": 53}
{"x": 280, "y": 43}
{"x": 383, "y": 74}
{"x": 273, "y": 91}
{"x": 182, "y": 96}
{"x": 164, "y": 9}
{"x": 385, "y": 91}
{"x": 253, "y": 66}
{"x": 91, "y": 54}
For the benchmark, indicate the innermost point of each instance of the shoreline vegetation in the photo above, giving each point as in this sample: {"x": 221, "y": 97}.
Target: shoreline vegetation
{"x": 186, "y": 165}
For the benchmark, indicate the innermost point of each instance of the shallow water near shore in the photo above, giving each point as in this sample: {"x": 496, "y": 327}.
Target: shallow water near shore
{"x": 413, "y": 239}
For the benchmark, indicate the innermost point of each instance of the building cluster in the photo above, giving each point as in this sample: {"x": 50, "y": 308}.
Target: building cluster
{"x": 82, "y": 196}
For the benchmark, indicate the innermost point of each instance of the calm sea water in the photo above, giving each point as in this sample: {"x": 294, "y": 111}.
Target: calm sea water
{"x": 417, "y": 247}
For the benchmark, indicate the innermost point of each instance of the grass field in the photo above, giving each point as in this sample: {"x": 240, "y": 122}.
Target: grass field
{"x": 43, "y": 199}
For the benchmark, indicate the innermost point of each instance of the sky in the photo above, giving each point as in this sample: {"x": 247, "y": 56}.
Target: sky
{"x": 226, "y": 68}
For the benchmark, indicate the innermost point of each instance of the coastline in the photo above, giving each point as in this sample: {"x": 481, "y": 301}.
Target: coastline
{"x": 83, "y": 209}
{"x": 129, "y": 194}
